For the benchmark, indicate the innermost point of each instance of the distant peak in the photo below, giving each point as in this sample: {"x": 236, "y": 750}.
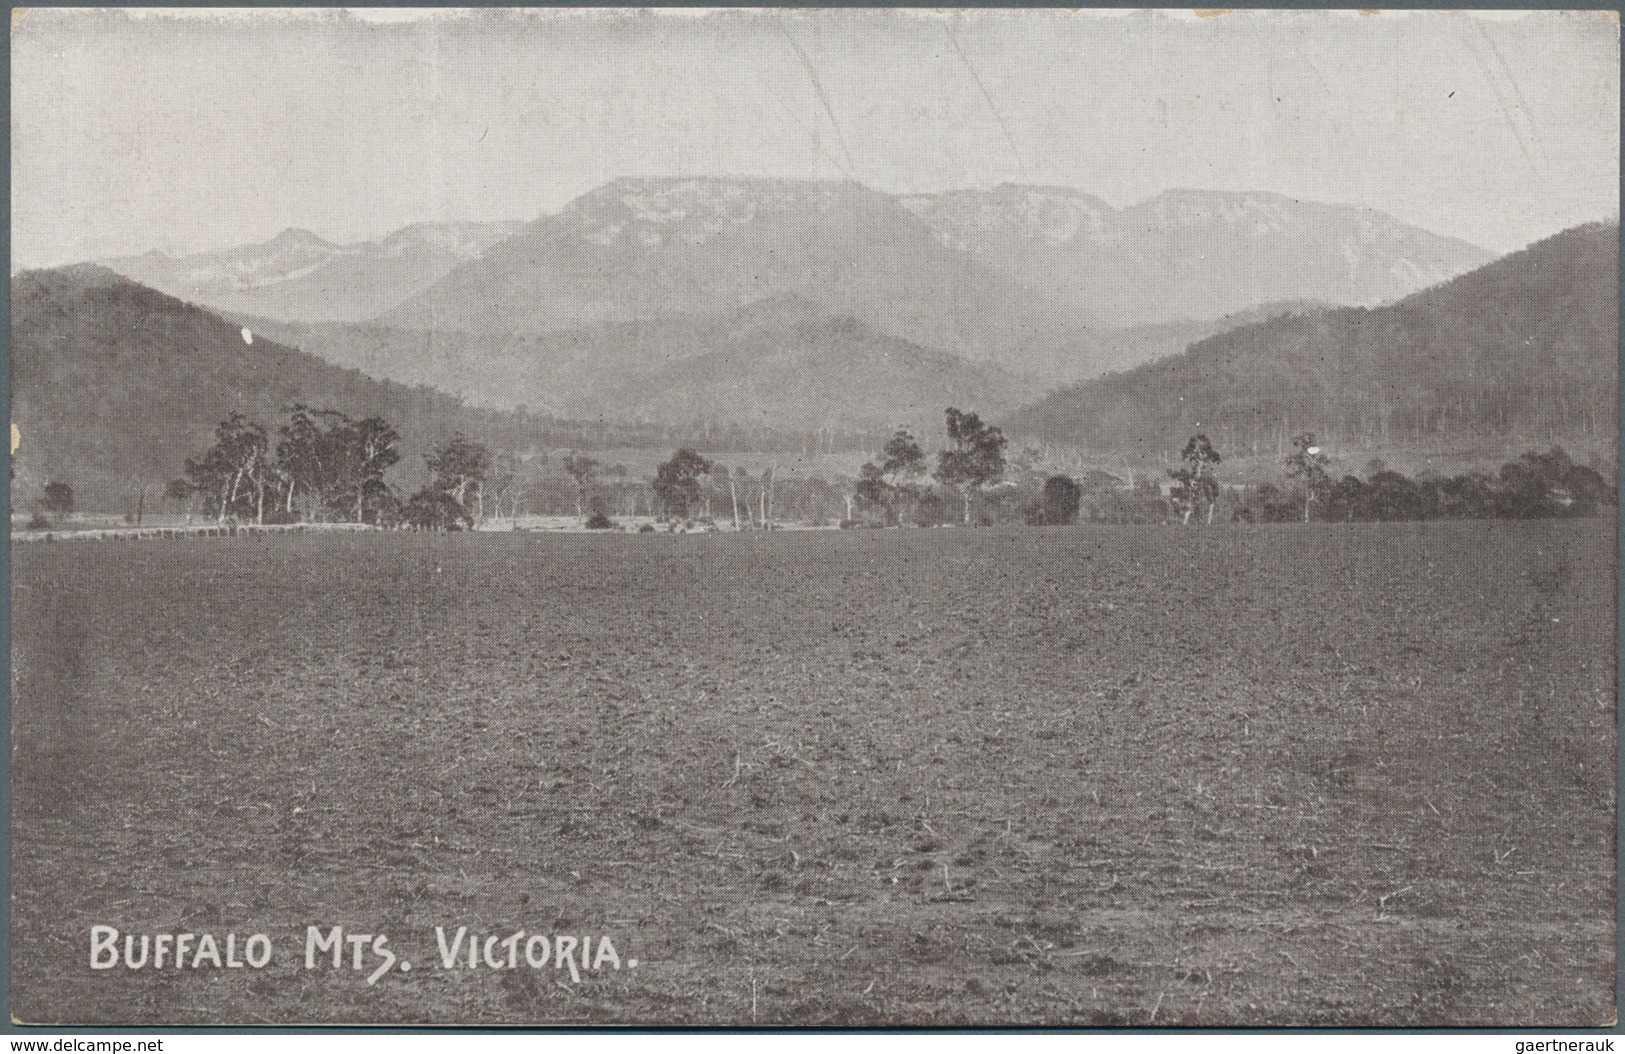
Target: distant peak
{"x": 658, "y": 182}
{"x": 301, "y": 236}
{"x": 700, "y": 187}
{"x": 424, "y": 228}
{"x": 1195, "y": 194}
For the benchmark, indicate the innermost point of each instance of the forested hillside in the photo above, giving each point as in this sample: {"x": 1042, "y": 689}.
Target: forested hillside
{"x": 114, "y": 385}
{"x": 785, "y": 363}
{"x": 1522, "y": 351}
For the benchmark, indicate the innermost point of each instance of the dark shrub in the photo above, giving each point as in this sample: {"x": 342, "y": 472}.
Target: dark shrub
{"x": 59, "y": 498}
{"x": 433, "y": 510}
{"x": 1060, "y": 500}
{"x": 932, "y": 510}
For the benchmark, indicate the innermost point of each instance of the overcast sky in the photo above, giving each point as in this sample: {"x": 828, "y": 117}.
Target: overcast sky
{"x": 182, "y": 132}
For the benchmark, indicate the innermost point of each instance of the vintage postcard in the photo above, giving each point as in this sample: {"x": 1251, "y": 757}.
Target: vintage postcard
{"x": 806, "y": 518}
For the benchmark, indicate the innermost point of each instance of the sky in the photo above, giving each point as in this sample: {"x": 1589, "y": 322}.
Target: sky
{"x": 183, "y": 131}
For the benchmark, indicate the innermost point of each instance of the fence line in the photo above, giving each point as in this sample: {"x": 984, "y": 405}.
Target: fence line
{"x": 209, "y": 531}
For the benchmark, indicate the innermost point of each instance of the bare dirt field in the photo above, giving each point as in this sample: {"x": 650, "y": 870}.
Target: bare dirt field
{"x": 1265, "y": 776}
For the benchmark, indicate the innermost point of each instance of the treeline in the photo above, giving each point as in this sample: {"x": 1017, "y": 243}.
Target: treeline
{"x": 970, "y": 481}
{"x": 325, "y": 466}
{"x": 322, "y": 465}
{"x": 891, "y": 491}
{"x": 1535, "y": 485}
{"x": 697, "y": 491}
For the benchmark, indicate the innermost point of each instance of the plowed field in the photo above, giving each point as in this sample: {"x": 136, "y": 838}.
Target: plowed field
{"x": 1290, "y": 775}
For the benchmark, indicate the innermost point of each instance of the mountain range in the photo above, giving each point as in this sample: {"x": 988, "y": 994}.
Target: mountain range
{"x": 1053, "y": 284}
{"x": 300, "y": 276}
{"x": 760, "y": 314}
{"x": 640, "y": 249}
{"x": 1187, "y": 254}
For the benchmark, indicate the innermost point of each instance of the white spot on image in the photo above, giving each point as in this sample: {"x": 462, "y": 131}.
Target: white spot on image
{"x": 248, "y": 335}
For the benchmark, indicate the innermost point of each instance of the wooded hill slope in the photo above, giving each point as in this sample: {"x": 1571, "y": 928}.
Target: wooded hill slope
{"x": 114, "y": 385}
{"x": 1523, "y": 351}
{"x": 782, "y": 363}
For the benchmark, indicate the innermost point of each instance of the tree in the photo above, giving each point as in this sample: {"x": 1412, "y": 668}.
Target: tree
{"x": 932, "y": 510}
{"x": 338, "y": 462}
{"x": 1394, "y": 496}
{"x": 58, "y": 498}
{"x": 677, "y": 483}
{"x": 872, "y": 491}
{"x": 431, "y": 509}
{"x": 1346, "y": 500}
{"x": 903, "y": 463}
{"x": 1470, "y": 495}
{"x": 1196, "y": 479}
{"x": 1307, "y": 466}
{"x": 1586, "y": 490}
{"x": 580, "y": 468}
{"x": 371, "y": 444}
{"x": 460, "y": 467}
{"x": 733, "y": 491}
{"x": 302, "y": 451}
{"x": 904, "y": 458}
{"x": 1059, "y": 504}
{"x": 975, "y": 457}
{"x": 764, "y": 494}
{"x": 889, "y": 487}
{"x": 1549, "y": 484}
{"x": 234, "y": 473}
{"x": 507, "y": 485}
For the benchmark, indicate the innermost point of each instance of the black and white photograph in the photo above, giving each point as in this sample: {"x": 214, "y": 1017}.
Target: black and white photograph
{"x": 807, "y": 518}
